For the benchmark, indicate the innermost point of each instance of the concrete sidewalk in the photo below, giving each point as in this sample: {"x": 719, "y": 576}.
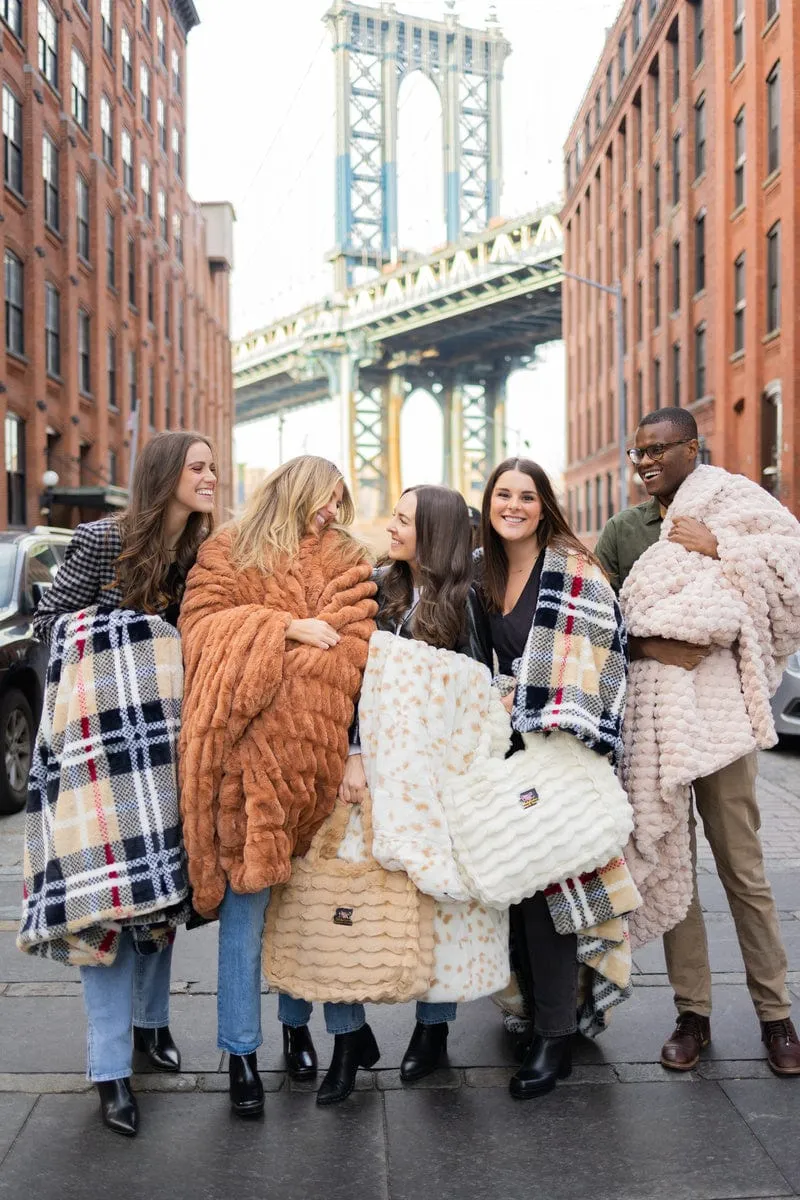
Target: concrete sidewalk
{"x": 621, "y": 1128}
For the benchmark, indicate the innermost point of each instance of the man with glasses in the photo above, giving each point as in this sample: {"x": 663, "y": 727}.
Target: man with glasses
{"x": 665, "y": 455}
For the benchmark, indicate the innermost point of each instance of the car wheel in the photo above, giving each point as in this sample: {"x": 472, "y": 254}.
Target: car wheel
{"x": 16, "y": 749}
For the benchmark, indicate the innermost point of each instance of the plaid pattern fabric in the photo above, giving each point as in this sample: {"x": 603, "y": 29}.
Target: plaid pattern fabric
{"x": 572, "y": 674}
{"x": 596, "y": 906}
{"x": 103, "y": 845}
{"x": 84, "y": 577}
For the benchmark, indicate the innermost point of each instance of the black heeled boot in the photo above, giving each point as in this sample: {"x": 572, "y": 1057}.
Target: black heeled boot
{"x": 157, "y": 1044}
{"x": 548, "y": 1059}
{"x": 118, "y": 1106}
{"x": 299, "y": 1052}
{"x": 350, "y": 1051}
{"x": 246, "y": 1089}
{"x": 427, "y": 1048}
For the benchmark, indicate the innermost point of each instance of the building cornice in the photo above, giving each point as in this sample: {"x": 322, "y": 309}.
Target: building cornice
{"x": 186, "y": 14}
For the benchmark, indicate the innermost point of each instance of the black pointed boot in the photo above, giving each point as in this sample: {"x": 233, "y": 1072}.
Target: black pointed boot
{"x": 426, "y": 1050}
{"x": 350, "y": 1051}
{"x": 299, "y": 1052}
{"x": 118, "y": 1106}
{"x": 246, "y": 1088}
{"x": 157, "y": 1044}
{"x": 548, "y": 1060}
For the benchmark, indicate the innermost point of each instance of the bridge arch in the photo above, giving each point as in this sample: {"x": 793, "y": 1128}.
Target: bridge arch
{"x": 421, "y": 218}
{"x": 421, "y": 439}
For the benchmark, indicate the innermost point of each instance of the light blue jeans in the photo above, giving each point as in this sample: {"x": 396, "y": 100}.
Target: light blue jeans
{"x": 348, "y": 1018}
{"x": 134, "y": 990}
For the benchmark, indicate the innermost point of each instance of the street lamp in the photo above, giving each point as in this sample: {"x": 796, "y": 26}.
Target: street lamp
{"x": 49, "y": 481}
{"x": 615, "y": 290}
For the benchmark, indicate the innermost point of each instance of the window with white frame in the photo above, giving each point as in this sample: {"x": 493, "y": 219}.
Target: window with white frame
{"x": 177, "y": 83}
{"x": 700, "y": 361}
{"x": 52, "y": 329}
{"x": 107, "y": 26}
{"x": 147, "y": 193}
{"x": 82, "y": 215}
{"x": 738, "y": 32}
{"x": 738, "y": 303}
{"x": 163, "y": 225}
{"x": 126, "y": 48}
{"x": 774, "y": 119}
{"x": 161, "y": 123}
{"x": 161, "y": 40}
{"x": 107, "y": 129}
{"x": 127, "y": 162}
{"x": 84, "y": 352}
{"x": 774, "y": 278}
{"x": 177, "y": 235}
{"x": 700, "y": 137}
{"x": 111, "y": 249}
{"x": 80, "y": 90}
{"x": 177, "y": 151}
{"x": 11, "y": 12}
{"x": 144, "y": 88}
{"x": 739, "y": 158}
{"x": 15, "y": 303}
{"x": 48, "y": 43}
{"x": 12, "y": 140}
{"x": 146, "y": 14}
{"x": 50, "y": 176}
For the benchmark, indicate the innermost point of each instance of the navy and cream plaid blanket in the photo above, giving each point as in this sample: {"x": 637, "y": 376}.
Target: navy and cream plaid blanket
{"x": 103, "y": 847}
{"x": 572, "y": 674}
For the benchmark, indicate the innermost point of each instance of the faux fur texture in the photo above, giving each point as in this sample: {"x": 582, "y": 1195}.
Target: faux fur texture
{"x": 682, "y": 725}
{"x": 265, "y": 722}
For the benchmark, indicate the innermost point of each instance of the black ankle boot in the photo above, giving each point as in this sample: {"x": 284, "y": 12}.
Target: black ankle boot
{"x": 157, "y": 1044}
{"x": 427, "y": 1048}
{"x": 118, "y": 1106}
{"x": 350, "y": 1051}
{"x": 299, "y": 1052}
{"x": 246, "y": 1088}
{"x": 548, "y": 1060}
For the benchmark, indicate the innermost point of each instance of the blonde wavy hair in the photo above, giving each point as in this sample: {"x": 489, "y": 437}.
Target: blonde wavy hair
{"x": 278, "y": 515}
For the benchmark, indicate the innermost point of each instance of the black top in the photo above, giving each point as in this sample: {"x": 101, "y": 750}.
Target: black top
{"x": 510, "y": 631}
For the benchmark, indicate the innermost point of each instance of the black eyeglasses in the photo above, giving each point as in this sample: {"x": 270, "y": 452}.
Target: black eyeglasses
{"x": 655, "y": 452}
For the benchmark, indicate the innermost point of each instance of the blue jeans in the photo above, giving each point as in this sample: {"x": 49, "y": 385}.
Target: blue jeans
{"x": 134, "y": 990}
{"x": 241, "y": 928}
{"x": 348, "y": 1018}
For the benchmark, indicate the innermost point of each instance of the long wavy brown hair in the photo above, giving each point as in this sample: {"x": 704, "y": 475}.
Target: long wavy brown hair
{"x": 554, "y": 530}
{"x": 444, "y": 563}
{"x": 143, "y": 567}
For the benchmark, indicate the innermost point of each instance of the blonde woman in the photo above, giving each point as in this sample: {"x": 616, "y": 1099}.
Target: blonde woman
{"x": 276, "y": 622}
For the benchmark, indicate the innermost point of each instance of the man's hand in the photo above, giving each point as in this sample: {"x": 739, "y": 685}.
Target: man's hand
{"x": 669, "y": 652}
{"x": 694, "y": 535}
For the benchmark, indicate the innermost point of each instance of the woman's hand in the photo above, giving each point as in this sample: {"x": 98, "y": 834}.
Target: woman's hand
{"x": 353, "y": 787}
{"x": 312, "y": 632}
{"x": 508, "y": 702}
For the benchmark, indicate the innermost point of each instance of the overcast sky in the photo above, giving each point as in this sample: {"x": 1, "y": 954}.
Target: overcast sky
{"x": 261, "y": 134}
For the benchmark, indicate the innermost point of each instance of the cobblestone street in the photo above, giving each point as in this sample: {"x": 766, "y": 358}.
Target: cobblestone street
{"x": 621, "y": 1127}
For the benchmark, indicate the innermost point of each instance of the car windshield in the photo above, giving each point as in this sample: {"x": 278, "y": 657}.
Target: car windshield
{"x": 8, "y": 558}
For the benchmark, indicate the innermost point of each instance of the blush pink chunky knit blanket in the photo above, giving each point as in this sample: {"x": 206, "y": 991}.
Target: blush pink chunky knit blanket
{"x": 682, "y": 725}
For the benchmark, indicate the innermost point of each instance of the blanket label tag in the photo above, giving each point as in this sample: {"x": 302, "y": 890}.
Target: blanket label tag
{"x": 529, "y": 798}
{"x": 343, "y": 916}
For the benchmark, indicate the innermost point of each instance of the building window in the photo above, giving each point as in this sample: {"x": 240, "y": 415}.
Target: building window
{"x": 676, "y": 169}
{"x": 738, "y": 32}
{"x": 774, "y": 119}
{"x": 676, "y": 276}
{"x": 598, "y": 117}
{"x": 111, "y": 249}
{"x": 639, "y": 123}
{"x": 112, "y": 468}
{"x": 624, "y": 239}
{"x": 652, "y": 8}
{"x": 700, "y": 137}
{"x": 126, "y": 47}
{"x": 80, "y": 90}
{"x": 147, "y": 193}
{"x": 82, "y": 216}
{"x": 774, "y": 278}
{"x": 84, "y": 356}
{"x": 609, "y": 88}
{"x": 107, "y": 26}
{"x": 111, "y": 370}
{"x": 676, "y": 64}
{"x": 177, "y": 83}
{"x": 15, "y": 303}
{"x": 146, "y": 15}
{"x": 699, "y": 34}
{"x": 161, "y": 122}
{"x": 676, "y": 374}
{"x": 657, "y": 383}
{"x": 621, "y": 51}
{"x": 177, "y": 151}
{"x": 12, "y": 140}
{"x": 772, "y": 9}
{"x": 48, "y": 43}
{"x": 52, "y": 330}
{"x": 51, "y": 183}
{"x": 700, "y": 362}
{"x": 11, "y": 12}
{"x": 657, "y": 295}
{"x": 15, "y": 469}
{"x": 132, "y": 272}
{"x": 168, "y": 310}
{"x": 144, "y": 88}
{"x": 107, "y": 127}
{"x": 639, "y": 311}
{"x": 738, "y": 158}
{"x": 656, "y": 195}
{"x": 587, "y": 132}
{"x": 151, "y": 293}
{"x": 177, "y": 235}
{"x": 639, "y": 219}
{"x": 163, "y": 224}
{"x": 127, "y": 162}
{"x": 133, "y": 385}
{"x": 639, "y": 408}
{"x": 151, "y": 397}
{"x": 656, "y": 94}
{"x": 161, "y": 40}
{"x": 738, "y": 304}
{"x": 588, "y": 505}
{"x": 700, "y": 252}
{"x": 181, "y": 325}
{"x": 167, "y": 405}
{"x": 636, "y": 25}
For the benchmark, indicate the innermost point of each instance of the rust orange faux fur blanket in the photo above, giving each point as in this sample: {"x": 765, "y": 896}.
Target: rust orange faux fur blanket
{"x": 265, "y": 721}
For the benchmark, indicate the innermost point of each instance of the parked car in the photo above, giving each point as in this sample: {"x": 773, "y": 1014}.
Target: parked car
{"x": 29, "y": 560}
{"x": 786, "y": 701}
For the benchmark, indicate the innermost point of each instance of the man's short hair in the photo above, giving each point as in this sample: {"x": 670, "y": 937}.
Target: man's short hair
{"x": 680, "y": 419}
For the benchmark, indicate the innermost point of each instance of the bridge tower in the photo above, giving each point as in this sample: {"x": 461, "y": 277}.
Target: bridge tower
{"x": 374, "y": 49}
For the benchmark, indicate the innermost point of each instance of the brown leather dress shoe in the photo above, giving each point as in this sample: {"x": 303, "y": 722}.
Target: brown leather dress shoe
{"x": 681, "y": 1050}
{"x": 783, "y": 1046}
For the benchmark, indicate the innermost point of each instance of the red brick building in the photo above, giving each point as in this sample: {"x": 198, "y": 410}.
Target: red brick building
{"x": 682, "y": 172}
{"x": 115, "y": 283}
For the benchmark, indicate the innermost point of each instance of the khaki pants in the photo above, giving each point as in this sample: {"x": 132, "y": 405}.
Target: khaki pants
{"x": 726, "y": 803}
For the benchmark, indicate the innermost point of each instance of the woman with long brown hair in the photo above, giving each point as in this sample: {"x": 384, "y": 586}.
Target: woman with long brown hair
{"x": 137, "y": 561}
{"x": 547, "y": 612}
{"x": 276, "y": 623}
